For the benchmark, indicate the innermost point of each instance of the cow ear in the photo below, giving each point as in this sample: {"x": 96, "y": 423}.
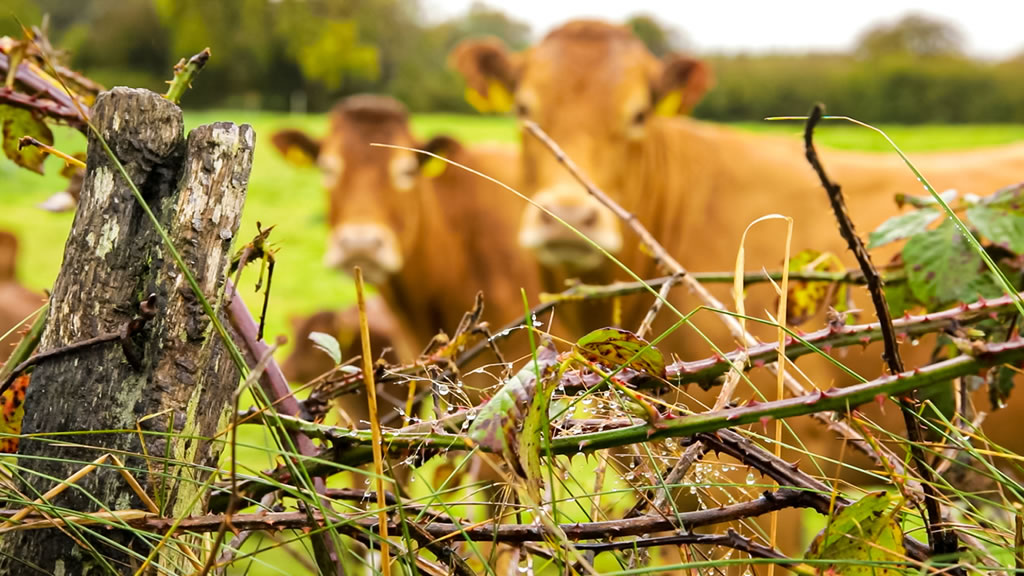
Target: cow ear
{"x": 683, "y": 83}
{"x": 444, "y": 146}
{"x": 296, "y": 146}
{"x": 490, "y": 72}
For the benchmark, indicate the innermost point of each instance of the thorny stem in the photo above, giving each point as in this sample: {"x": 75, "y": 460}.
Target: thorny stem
{"x": 184, "y": 73}
{"x": 352, "y": 447}
{"x": 942, "y": 541}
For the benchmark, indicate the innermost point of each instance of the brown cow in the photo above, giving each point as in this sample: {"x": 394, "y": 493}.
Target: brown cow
{"x": 428, "y": 243}
{"x": 614, "y": 108}
{"x": 17, "y": 303}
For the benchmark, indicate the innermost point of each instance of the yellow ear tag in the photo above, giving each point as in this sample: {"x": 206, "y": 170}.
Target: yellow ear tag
{"x": 298, "y": 156}
{"x": 670, "y": 104}
{"x": 477, "y": 101}
{"x": 433, "y": 167}
{"x": 499, "y": 96}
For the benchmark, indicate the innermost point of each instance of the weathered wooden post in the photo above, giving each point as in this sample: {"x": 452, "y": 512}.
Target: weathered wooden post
{"x": 173, "y": 379}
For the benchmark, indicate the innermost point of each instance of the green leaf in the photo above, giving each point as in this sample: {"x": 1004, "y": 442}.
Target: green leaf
{"x": 942, "y": 268}
{"x": 902, "y": 226}
{"x": 536, "y": 429}
{"x": 327, "y": 343}
{"x": 865, "y": 531}
{"x": 1000, "y": 218}
{"x": 1000, "y": 384}
{"x": 614, "y": 347}
{"x": 17, "y": 123}
{"x": 900, "y": 299}
{"x": 497, "y": 424}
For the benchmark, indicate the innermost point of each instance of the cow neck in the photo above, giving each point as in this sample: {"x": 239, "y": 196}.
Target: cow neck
{"x": 428, "y": 294}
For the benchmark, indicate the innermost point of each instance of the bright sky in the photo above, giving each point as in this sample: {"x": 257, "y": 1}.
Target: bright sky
{"x": 992, "y": 28}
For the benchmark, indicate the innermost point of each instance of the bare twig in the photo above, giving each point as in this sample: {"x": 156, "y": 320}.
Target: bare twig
{"x": 652, "y": 313}
{"x": 942, "y": 540}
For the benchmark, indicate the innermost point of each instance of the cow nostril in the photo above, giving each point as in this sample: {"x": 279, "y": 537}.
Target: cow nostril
{"x": 589, "y": 219}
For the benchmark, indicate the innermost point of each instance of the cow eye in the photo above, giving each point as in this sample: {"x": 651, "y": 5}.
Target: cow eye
{"x": 640, "y": 117}
{"x": 522, "y": 110}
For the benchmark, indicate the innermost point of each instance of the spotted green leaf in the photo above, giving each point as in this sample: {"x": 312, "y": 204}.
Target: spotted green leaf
{"x": 866, "y": 533}
{"x": 942, "y": 268}
{"x": 614, "y": 348}
{"x": 498, "y": 423}
{"x": 806, "y": 299}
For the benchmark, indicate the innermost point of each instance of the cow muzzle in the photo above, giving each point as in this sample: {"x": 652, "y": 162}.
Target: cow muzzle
{"x": 554, "y": 243}
{"x": 372, "y": 247}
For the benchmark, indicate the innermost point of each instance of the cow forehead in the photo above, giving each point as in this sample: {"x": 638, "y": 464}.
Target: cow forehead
{"x": 587, "y": 69}
{"x": 352, "y": 139}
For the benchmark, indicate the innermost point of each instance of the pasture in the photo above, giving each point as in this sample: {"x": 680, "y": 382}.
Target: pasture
{"x": 291, "y": 198}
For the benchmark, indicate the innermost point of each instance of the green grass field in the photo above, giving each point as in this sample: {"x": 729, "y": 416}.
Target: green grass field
{"x": 291, "y": 199}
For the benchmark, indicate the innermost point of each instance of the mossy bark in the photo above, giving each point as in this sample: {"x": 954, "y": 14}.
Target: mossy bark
{"x": 174, "y": 380}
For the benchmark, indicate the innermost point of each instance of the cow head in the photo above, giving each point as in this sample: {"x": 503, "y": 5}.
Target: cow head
{"x": 595, "y": 89}
{"x": 373, "y": 192}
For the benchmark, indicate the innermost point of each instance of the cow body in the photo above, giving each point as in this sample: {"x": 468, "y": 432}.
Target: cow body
{"x": 616, "y": 111}
{"x": 17, "y": 303}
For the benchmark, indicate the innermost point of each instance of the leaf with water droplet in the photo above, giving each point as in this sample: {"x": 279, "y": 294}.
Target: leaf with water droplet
{"x": 328, "y": 344}
{"x": 615, "y": 347}
{"x": 867, "y": 532}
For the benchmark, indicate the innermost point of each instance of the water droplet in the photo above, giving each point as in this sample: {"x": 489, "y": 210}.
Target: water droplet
{"x": 915, "y": 342}
{"x": 693, "y": 489}
{"x": 442, "y": 389}
{"x": 470, "y": 416}
{"x": 750, "y": 477}
{"x": 587, "y": 400}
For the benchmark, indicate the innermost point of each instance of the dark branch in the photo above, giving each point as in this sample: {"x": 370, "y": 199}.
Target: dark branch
{"x": 942, "y": 541}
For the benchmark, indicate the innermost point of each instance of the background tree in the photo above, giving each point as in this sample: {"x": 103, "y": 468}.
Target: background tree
{"x": 912, "y": 35}
{"x": 660, "y": 38}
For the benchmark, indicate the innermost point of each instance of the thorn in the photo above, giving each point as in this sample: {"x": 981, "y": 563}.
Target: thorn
{"x": 759, "y": 363}
{"x": 765, "y": 420}
{"x": 880, "y": 398}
